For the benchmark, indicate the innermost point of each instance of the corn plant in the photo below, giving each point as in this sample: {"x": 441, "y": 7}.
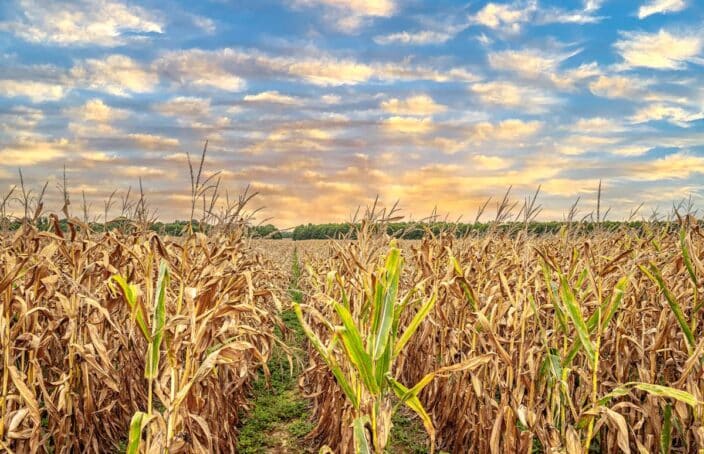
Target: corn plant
{"x": 363, "y": 350}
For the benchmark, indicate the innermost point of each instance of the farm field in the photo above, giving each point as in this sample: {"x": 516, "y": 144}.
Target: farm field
{"x": 504, "y": 341}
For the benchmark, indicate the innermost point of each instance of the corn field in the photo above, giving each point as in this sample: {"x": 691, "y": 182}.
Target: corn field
{"x": 497, "y": 342}
{"x": 110, "y": 333}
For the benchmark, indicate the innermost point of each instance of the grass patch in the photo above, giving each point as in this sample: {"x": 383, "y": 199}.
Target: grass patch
{"x": 281, "y": 418}
{"x": 407, "y": 434}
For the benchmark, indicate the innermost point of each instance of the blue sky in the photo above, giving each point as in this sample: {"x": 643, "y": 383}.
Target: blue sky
{"x": 322, "y": 104}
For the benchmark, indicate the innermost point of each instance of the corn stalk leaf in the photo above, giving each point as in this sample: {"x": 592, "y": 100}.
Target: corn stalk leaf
{"x": 384, "y": 312}
{"x": 139, "y": 421}
{"x": 415, "y": 323}
{"x": 666, "y": 434}
{"x": 352, "y": 341}
{"x": 327, "y": 357}
{"x": 414, "y": 404}
{"x": 158, "y": 321}
{"x": 575, "y": 314}
{"x": 129, "y": 293}
{"x": 654, "y": 274}
{"x": 361, "y": 444}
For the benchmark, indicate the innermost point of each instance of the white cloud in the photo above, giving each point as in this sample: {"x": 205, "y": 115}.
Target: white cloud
{"x": 510, "y": 17}
{"x": 511, "y": 130}
{"x": 418, "y": 105}
{"x": 419, "y": 37}
{"x": 34, "y": 90}
{"x": 678, "y": 165}
{"x": 96, "y": 110}
{"x": 184, "y": 106}
{"x": 597, "y": 125}
{"x": 153, "y": 141}
{"x": 529, "y": 62}
{"x": 116, "y": 74}
{"x": 81, "y": 22}
{"x": 661, "y": 50}
{"x": 361, "y": 7}
{"x": 507, "y": 17}
{"x": 20, "y": 119}
{"x": 408, "y": 125}
{"x": 228, "y": 68}
{"x": 485, "y": 162}
{"x": 616, "y": 87}
{"x": 508, "y": 94}
{"x": 349, "y": 15}
{"x": 674, "y": 115}
{"x": 660, "y": 7}
{"x": 28, "y": 151}
{"x": 273, "y": 97}
{"x": 200, "y": 68}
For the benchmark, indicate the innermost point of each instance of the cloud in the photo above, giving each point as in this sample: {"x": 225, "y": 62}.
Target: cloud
{"x": 228, "y": 68}
{"x": 671, "y": 114}
{"x": 578, "y": 144}
{"x": 381, "y": 8}
{"x": 116, "y": 74}
{"x": 616, "y": 87}
{"x": 660, "y": 7}
{"x": 508, "y": 94}
{"x": 184, "y": 106}
{"x": 661, "y": 50}
{"x": 96, "y": 110}
{"x": 507, "y": 17}
{"x": 29, "y": 151}
{"x": 510, "y": 17}
{"x": 596, "y": 125}
{"x": 419, "y": 38}
{"x": 678, "y": 165}
{"x": 273, "y": 97}
{"x": 19, "y": 119}
{"x": 81, "y": 22}
{"x": 199, "y": 68}
{"x": 529, "y": 62}
{"x": 349, "y": 15}
{"x": 33, "y": 90}
{"x": 507, "y": 130}
{"x": 417, "y": 105}
{"x": 153, "y": 141}
{"x": 491, "y": 162}
{"x": 408, "y": 125}
{"x": 538, "y": 64}
{"x": 633, "y": 150}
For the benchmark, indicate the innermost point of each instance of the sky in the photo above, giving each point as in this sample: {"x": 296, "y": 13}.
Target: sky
{"x": 320, "y": 105}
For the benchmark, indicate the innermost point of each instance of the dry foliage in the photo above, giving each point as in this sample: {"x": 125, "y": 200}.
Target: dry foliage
{"x": 595, "y": 338}
{"x": 74, "y": 348}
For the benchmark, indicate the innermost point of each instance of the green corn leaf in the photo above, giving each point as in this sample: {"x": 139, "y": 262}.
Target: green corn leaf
{"x": 129, "y": 292}
{"x": 687, "y": 258}
{"x": 666, "y": 391}
{"x": 361, "y": 444}
{"x": 559, "y": 313}
{"x": 655, "y": 390}
{"x": 575, "y": 314}
{"x": 352, "y": 341}
{"x": 158, "y": 321}
{"x": 414, "y": 404}
{"x": 666, "y": 434}
{"x": 327, "y": 357}
{"x": 415, "y": 323}
{"x": 608, "y": 310}
{"x": 385, "y": 313}
{"x": 139, "y": 421}
{"x": 654, "y": 274}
